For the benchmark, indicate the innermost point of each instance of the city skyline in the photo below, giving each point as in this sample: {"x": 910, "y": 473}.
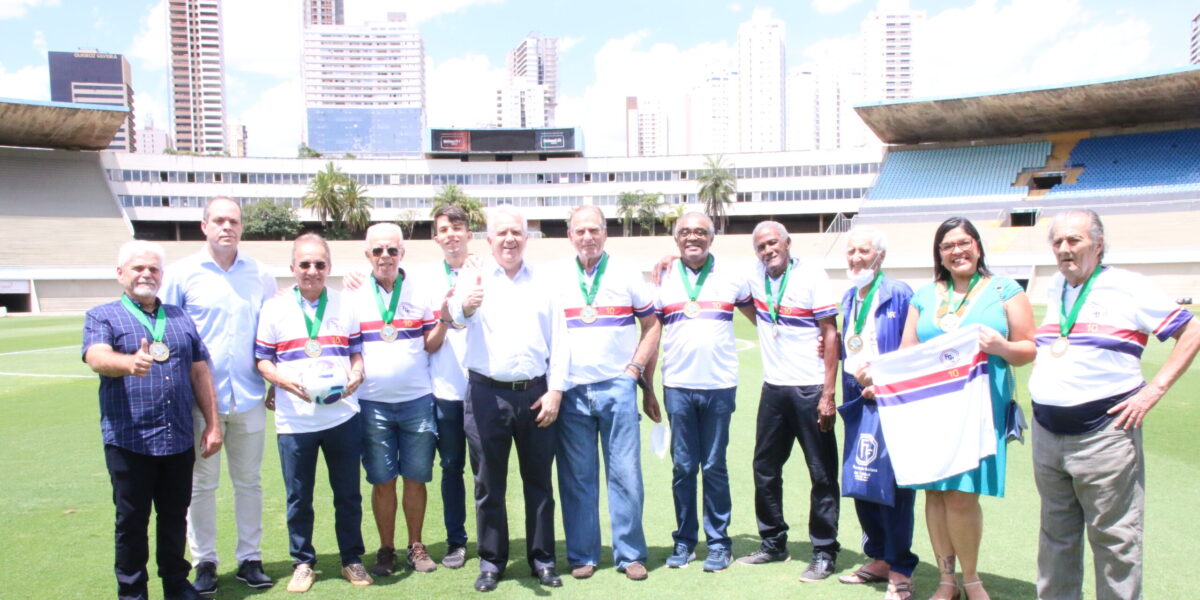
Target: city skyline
{"x": 605, "y": 56}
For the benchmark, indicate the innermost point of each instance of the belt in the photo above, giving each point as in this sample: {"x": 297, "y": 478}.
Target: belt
{"x": 516, "y": 386}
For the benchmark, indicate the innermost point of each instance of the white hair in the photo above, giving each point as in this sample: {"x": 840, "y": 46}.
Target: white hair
{"x": 381, "y": 229}
{"x": 586, "y": 208}
{"x": 133, "y": 248}
{"x": 694, "y": 213}
{"x": 876, "y": 236}
{"x": 776, "y": 225}
{"x": 1095, "y": 226}
{"x": 505, "y": 209}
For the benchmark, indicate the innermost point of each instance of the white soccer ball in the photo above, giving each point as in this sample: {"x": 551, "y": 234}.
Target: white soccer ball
{"x": 325, "y": 381}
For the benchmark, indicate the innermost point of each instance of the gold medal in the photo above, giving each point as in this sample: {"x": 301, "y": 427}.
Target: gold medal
{"x": 691, "y": 309}
{"x": 854, "y": 344}
{"x": 388, "y": 332}
{"x": 312, "y": 348}
{"x": 775, "y": 330}
{"x": 949, "y": 322}
{"x": 159, "y": 351}
{"x": 1059, "y": 347}
{"x": 588, "y": 314}
{"x": 458, "y": 325}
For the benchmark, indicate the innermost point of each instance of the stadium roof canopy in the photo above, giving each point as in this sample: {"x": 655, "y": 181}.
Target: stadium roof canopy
{"x": 1149, "y": 99}
{"x": 58, "y": 125}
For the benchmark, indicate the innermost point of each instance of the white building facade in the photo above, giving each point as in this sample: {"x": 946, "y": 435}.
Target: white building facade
{"x": 197, "y": 75}
{"x": 761, "y": 84}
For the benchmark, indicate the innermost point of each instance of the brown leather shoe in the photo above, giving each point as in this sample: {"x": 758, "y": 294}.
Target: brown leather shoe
{"x": 636, "y": 571}
{"x": 583, "y": 571}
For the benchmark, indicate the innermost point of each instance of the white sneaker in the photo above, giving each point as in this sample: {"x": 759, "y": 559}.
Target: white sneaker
{"x": 302, "y": 579}
{"x": 357, "y": 574}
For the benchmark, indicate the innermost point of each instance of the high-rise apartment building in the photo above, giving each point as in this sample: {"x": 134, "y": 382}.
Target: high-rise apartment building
{"x": 821, "y": 99}
{"x": 197, "y": 75}
{"x": 1195, "y": 55}
{"x": 712, "y": 114}
{"x": 364, "y": 85}
{"x": 91, "y": 77}
{"x": 530, "y": 97}
{"x": 646, "y": 128}
{"x": 889, "y": 35}
{"x": 324, "y": 12}
{"x": 762, "y": 92}
{"x": 152, "y": 140}
{"x": 238, "y": 137}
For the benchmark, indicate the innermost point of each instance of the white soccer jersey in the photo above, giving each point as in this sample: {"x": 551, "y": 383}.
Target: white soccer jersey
{"x": 601, "y": 349}
{"x": 1107, "y": 340}
{"x": 447, "y": 372}
{"x": 789, "y": 347}
{"x": 282, "y": 333}
{"x": 396, "y": 371}
{"x": 701, "y": 352}
{"x": 939, "y": 386}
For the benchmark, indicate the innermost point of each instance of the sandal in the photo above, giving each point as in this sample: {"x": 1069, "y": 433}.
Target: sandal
{"x": 978, "y": 583}
{"x": 953, "y": 584}
{"x": 899, "y": 591}
{"x": 862, "y": 576}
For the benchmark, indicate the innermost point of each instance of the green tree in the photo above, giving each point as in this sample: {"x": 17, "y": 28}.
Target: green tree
{"x": 670, "y": 214}
{"x": 303, "y": 151}
{"x": 267, "y": 220}
{"x": 452, "y": 195}
{"x": 717, "y": 185}
{"x": 627, "y": 210}
{"x": 355, "y": 205}
{"x": 408, "y": 222}
{"x": 647, "y": 212}
{"x": 323, "y": 197}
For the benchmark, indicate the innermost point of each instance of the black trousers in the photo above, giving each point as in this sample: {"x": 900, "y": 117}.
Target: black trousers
{"x": 493, "y": 419}
{"x": 140, "y": 481}
{"x": 787, "y": 413}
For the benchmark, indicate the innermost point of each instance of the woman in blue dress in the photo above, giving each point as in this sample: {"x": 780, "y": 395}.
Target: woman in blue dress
{"x": 965, "y": 292}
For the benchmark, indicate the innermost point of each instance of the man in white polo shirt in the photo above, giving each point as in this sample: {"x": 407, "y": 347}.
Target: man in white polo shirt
{"x": 794, "y": 306}
{"x": 396, "y": 398}
{"x": 695, "y": 302}
{"x": 309, "y": 346}
{"x": 604, "y": 300}
{"x": 1089, "y": 401}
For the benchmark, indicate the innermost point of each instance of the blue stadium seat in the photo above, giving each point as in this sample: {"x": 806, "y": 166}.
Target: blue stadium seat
{"x": 1167, "y": 161}
{"x": 983, "y": 171}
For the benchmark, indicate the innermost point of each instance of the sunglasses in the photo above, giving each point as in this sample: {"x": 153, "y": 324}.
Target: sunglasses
{"x": 391, "y": 251}
{"x": 304, "y": 265}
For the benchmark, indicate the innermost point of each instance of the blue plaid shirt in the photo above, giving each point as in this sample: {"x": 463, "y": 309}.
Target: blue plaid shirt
{"x": 152, "y": 414}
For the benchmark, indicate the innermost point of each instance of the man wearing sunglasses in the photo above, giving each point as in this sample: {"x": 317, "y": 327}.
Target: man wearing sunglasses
{"x": 396, "y": 397}
{"x": 223, "y": 290}
{"x": 310, "y": 346}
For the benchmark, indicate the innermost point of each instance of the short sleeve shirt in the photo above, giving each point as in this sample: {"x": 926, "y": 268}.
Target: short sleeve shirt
{"x": 701, "y": 352}
{"x": 789, "y": 343}
{"x": 395, "y": 371}
{"x": 603, "y": 345}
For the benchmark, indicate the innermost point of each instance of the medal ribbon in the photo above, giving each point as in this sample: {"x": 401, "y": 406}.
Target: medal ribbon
{"x": 314, "y": 326}
{"x": 390, "y": 312}
{"x": 449, "y": 274}
{"x": 865, "y": 308}
{"x": 1065, "y": 321}
{"x": 694, "y": 292}
{"x": 950, "y": 307}
{"x": 160, "y": 319}
{"x": 773, "y": 308}
{"x": 589, "y": 296}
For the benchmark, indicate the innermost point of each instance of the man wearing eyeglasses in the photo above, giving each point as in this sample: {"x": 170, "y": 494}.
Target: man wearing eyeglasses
{"x": 604, "y": 302}
{"x": 222, "y": 290}
{"x": 396, "y": 397}
{"x": 695, "y": 303}
{"x": 310, "y": 346}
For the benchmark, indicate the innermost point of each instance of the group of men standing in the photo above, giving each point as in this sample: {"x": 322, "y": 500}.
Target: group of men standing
{"x": 481, "y": 355}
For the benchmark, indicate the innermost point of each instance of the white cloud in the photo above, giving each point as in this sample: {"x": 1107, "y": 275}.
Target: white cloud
{"x": 149, "y": 46}
{"x": 263, "y": 37}
{"x": 993, "y": 46}
{"x": 828, "y": 7}
{"x": 461, "y": 91}
{"x": 39, "y": 42}
{"x": 627, "y": 67}
{"x": 566, "y": 43}
{"x": 735, "y": 7}
{"x": 149, "y": 109}
{"x": 417, "y": 11}
{"x": 275, "y": 121}
{"x": 15, "y": 9}
{"x": 26, "y": 83}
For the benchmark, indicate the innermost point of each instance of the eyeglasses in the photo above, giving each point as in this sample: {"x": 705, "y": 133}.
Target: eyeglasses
{"x": 696, "y": 232}
{"x": 962, "y": 244}
{"x": 305, "y": 265}
{"x": 391, "y": 251}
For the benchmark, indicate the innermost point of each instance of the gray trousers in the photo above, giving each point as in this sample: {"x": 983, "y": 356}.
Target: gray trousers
{"x": 1095, "y": 480}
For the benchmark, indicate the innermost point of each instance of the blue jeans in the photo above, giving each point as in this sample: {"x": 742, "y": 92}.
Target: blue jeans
{"x": 608, "y": 408}
{"x": 452, "y": 448}
{"x": 342, "y": 447}
{"x": 399, "y": 439}
{"x": 699, "y": 436}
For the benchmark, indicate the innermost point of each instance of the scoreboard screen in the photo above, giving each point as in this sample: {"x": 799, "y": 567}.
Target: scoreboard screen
{"x": 503, "y": 141}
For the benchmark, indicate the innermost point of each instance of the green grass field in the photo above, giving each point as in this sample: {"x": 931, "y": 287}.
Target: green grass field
{"x": 56, "y": 521}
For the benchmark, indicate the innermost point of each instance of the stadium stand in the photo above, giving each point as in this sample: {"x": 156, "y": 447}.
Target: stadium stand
{"x": 964, "y": 172}
{"x": 1155, "y": 163}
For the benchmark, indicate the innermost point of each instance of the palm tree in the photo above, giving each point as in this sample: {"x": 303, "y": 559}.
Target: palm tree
{"x": 323, "y": 196}
{"x": 670, "y": 214}
{"x": 717, "y": 185}
{"x": 647, "y": 212}
{"x": 355, "y": 205}
{"x": 627, "y": 210}
{"x": 452, "y": 195}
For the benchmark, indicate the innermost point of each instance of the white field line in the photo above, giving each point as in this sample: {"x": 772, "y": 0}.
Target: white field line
{"x": 36, "y": 350}
{"x": 744, "y": 345}
{"x": 47, "y": 376}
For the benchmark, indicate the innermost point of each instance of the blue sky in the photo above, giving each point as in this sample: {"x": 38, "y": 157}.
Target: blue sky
{"x": 649, "y": 48}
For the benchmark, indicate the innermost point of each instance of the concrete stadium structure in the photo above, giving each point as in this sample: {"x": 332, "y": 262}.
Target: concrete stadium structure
{"x": 1125, "y": 148}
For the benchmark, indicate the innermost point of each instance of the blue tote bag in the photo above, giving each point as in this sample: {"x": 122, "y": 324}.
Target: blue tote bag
{"x": 866, "y": 466}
